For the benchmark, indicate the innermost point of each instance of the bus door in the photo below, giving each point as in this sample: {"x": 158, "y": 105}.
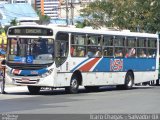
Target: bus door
{"x": 62, "y": 48}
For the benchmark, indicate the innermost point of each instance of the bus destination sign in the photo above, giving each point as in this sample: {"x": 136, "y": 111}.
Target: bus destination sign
{"x": 31, "y": 31}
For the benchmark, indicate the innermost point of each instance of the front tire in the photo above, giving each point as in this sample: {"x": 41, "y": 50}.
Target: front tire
{"x": 74, "y": 85}
{"x": 129, "y": 81}
{"x": 34, "y": 90}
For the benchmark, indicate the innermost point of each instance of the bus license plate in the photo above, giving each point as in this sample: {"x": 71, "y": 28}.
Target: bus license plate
{"x": 25, "y": 79}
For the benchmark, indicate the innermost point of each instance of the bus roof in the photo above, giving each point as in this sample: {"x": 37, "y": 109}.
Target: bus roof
{"x": 89, "y": 30}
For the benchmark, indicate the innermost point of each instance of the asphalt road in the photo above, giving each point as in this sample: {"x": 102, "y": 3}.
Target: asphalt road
{"x": 108, "y": 100}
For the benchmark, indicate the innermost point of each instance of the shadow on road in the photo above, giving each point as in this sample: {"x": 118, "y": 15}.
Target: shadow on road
{"x": 81, "y": 91}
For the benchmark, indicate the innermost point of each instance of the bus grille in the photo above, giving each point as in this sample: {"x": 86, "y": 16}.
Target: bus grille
{"x": 28, "y": 66}
{"x": 21, "y": 81}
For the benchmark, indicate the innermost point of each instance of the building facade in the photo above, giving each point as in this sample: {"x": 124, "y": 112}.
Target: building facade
{"x": 48, "y": 7}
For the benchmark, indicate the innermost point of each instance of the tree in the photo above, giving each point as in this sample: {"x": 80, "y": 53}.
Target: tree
{"x": 141, "y": 15}
{"x": 13, "y": 22}
{"x": 43, "y": 19}
{"x": 95, "y": 13}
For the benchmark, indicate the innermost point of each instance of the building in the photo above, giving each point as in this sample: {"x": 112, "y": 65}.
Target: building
{"x": 20, "y": 12}
{"x": 48, "y": 7}
{"x": 57, "y": 8}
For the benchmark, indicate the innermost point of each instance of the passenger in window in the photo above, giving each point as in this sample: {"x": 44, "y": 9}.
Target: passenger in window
{"x": 131, "y": 53}
{"x": 118, "y": 53}
{"x": 81, "y": 53}
{"x": 90, "y": 54}
{"x": 149, "y": 55}
{"x": 105, "y": 53}
{"x": 142, "y": 54}
{"x": 90, "y": 41}
{"x": 43, "y": 46}
{"x": 98, "y": 54}
{"x": 91, "y": 50}
{"x": 72, "y": 50}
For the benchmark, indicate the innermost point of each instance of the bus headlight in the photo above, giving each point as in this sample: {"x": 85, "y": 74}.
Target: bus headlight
{"x": 47, "y": 73}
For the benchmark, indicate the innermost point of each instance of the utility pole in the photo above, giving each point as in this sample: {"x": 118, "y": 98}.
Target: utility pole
{"x": 67, "y": 12}
{"x": 72, "y": 12}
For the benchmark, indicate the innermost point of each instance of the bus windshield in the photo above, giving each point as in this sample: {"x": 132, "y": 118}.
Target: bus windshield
{"x": 31, "y": 50}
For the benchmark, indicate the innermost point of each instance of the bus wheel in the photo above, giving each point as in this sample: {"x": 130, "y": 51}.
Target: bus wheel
{"x": 92, "y": 88}
{"x": 129, "y": 80}
{"x": 34, "y": 89}
{"x": 74, "y": 85}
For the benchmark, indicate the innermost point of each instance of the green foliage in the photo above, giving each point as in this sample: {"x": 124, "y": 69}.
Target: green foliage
{"x": 83, "y": 24}
{"x": 13, "y": 22}
{"x": 2, "y": 30}
{"x": 43, "y": 19}
{"x": 142, "y": 15}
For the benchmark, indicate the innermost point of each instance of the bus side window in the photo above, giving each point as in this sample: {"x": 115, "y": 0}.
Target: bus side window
{"x": 151, "y": 53}
{"x": 74, "y": 39}
{"x": 141, "y": 52}
{"x": 90, "y": 52}
{"x": 81, "y": 51}
{"x": 131, "y": 52}
{"x": 152, "y": 44}
{"x": 108, "y": 51}
{"x": 78, "y": 48}
{"x": 119, "y": 52}
{"x": 131, "y": 49}
{"x": 108, "y": 46}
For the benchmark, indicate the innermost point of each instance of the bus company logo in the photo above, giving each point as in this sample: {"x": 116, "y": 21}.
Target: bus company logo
{"x": 34, "y": 72}
{"x": 116, "y": 64}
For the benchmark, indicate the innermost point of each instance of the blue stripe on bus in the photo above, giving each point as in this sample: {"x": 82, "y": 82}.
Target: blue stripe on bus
{"x": 33, "y": 72}
{"x": 136, "y": 64}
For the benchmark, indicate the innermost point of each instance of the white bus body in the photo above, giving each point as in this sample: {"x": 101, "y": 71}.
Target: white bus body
{"x": 60, "y": 67}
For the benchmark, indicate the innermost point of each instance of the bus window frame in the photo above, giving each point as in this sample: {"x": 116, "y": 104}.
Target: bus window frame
{"x": 59, "y": 60}
{"x": 77, "y": 45}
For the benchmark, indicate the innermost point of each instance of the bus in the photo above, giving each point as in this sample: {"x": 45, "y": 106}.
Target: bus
{"x": 68, "y": 57}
